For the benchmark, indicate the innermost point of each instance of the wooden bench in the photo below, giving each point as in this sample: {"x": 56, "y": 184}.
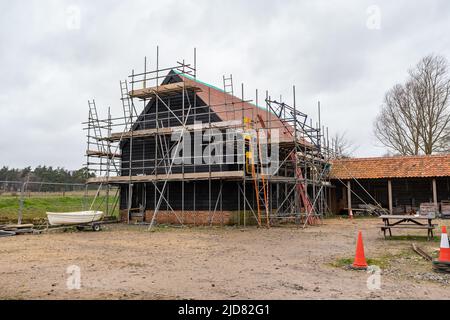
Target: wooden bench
{"x": 407, "y": 222}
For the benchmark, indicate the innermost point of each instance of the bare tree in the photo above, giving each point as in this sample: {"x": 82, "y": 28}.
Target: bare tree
{"x": 415, "y": 117}
{"x": 341, "y": 147}
{"x": 447, "y": 143}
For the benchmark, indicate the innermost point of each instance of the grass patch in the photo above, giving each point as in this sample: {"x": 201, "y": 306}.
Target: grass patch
{"x": 413, "y": 238}
{"x": 382, "y": 262}
{"x": 35, "y": 207}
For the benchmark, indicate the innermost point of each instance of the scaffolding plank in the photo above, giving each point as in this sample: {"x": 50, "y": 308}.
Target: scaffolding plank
{"x": 165, "y": 89}
{"x": 167, "y": 131}
{"x": 93, "y": 153}
{"x": 229, "y": 175}
{"x": 276, "y": 179}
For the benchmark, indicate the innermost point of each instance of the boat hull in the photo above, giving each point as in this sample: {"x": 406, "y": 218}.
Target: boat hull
{"x": 73, "y": 218}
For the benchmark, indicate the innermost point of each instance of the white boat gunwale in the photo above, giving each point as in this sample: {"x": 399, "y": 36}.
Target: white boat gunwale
{"x": 74, "y": 218}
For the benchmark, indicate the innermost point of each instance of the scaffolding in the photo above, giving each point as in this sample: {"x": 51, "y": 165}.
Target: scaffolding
{"x": 138, "y": 152}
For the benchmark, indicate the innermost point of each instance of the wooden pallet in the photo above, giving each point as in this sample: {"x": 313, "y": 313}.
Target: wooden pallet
{"x": 15, "y": 227}
{"x": 442, "y": 267}
{"x": 445, "y": 209}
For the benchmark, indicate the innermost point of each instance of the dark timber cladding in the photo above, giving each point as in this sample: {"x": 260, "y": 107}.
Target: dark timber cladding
{"x": 157, "y": 155}
{"x": 145, "y": 150}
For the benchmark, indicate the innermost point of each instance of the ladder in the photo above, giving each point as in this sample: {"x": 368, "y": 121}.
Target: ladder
{"x": 301, "y": 188}
{"x": 228, "y": 90}
{"x": 265, "y": 184}
{"x": 127, "y": 105}
{"x": 228, "y": 85}
{"x": 311, "y": 219}
{"x": 261, "y": 194}
{"x": 95, "y": 123}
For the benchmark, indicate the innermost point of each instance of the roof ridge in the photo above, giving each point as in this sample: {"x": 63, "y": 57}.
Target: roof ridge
{"x": 219, "y": 89}
{"x": 424, "y": 156}
{"x": 199, "y": 81}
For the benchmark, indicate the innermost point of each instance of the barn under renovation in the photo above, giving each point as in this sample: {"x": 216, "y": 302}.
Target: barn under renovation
{"x": 186, "y": 152}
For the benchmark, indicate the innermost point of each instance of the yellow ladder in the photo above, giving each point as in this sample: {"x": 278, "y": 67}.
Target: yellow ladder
{"x": 249, "y": 156}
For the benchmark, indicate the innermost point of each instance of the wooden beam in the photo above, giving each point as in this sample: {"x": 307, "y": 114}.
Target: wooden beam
{"x": 169, "y": 130}
{"x": 228, "y": 175}
{"x": 165, "y": 89}
{"x": 349, "y": 199}
{"x": 435, "y": 198}
{"x": 391, "y": 207}
{"x": 12, "y": 227}
{"x": 93, "y": 153}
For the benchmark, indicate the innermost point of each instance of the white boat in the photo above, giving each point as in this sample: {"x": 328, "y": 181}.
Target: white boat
{"x": 73, "y": 218}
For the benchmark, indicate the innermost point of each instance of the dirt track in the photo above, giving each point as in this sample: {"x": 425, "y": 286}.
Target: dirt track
{"x": 125, "y": 262}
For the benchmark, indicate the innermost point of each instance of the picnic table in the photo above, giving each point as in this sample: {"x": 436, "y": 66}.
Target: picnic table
{"x": 407, "y": 222}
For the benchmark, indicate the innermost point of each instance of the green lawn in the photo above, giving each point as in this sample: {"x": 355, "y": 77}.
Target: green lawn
{"x": 35, "y": 207}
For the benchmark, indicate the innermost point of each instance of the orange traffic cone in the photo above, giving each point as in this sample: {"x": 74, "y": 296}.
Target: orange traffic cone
{"x": 444, "y": 252}
{"x": 360, "y": 260}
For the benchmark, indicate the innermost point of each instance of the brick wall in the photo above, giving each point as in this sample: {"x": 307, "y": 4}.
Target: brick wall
{"x": 187, "y": 217}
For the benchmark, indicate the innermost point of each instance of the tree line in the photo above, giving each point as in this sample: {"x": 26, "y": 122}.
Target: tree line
{"x": 45, "y": 174}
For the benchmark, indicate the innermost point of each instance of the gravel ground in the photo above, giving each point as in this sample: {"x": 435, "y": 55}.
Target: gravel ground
{"x": 128, "y": 262}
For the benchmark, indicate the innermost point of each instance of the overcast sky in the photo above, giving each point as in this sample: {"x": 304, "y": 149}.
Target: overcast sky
{"x": 55, "y": 55}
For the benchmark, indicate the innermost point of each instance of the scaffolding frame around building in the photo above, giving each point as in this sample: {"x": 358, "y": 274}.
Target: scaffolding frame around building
{"x": 299, "y": 191}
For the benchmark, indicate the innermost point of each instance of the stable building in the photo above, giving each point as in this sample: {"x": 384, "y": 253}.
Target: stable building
{"x": 400, "y": 184}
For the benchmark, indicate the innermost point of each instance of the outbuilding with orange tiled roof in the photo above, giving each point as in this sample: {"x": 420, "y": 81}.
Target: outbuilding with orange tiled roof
{"x": 400, "y": 184}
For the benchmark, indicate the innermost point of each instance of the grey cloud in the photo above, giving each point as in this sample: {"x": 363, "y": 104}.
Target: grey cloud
{"x": 324, "y": 48}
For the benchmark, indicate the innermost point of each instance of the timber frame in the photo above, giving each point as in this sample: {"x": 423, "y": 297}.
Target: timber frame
{"x": 136, "y": 152}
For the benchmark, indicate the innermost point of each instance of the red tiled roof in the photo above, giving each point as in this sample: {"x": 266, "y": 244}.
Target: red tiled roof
{"x": 392, "y": 167}
{"x": 236, "y": 109}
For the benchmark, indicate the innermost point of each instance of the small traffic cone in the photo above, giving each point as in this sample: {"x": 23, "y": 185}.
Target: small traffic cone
{"x": 444, "y": 252}
{"x": 360, "y": 260}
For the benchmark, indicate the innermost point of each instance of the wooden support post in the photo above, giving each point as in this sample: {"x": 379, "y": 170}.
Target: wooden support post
{"x": 129, "y": 199}
{"x": 349, "y": 199}
{"x": 21, "y": 201}
{"x": 435, "y": 198}
{"x": 391, "y": 209}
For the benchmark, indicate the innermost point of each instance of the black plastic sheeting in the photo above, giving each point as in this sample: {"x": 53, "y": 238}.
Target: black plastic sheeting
{"x": 6, "y": 233}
